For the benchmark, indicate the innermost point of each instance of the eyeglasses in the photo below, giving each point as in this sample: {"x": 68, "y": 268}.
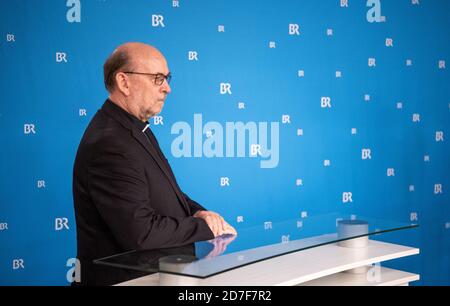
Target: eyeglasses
{"x": 159, "y": 77}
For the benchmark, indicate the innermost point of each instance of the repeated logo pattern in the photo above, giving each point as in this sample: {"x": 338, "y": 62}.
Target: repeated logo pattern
{"x": 280, "y": 110}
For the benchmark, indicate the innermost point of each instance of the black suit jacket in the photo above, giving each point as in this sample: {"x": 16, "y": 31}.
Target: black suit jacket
{"x": 126, "y": 196}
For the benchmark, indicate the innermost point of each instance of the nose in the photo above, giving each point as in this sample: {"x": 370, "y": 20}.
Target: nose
{"x": 166, "y": 87}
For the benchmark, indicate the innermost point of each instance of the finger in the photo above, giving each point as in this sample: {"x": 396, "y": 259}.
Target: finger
{"x": 227, "y": 226}
{"x": 214, "y": 228}
{"x": 211, "y": 225}
{"x": 231, "y": 230}
{"x": 223, "y": 224}
{"x": 219, "y": 227}
{"x": 217, "y": 224}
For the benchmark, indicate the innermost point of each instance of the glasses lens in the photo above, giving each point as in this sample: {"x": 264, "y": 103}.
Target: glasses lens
{"x": 159, "y": 79}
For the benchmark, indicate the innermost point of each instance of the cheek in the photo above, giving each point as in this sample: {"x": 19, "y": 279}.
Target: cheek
{"x": 136, "y": 90}
{"x": 152, "y": 95}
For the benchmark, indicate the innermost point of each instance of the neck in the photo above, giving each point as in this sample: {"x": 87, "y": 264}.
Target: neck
{"x": 126, "y": 105}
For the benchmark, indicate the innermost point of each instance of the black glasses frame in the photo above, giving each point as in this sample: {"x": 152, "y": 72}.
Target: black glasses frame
{"x": 159, "y": 77}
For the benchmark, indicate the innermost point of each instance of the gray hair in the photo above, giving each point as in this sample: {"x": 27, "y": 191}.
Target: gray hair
{"x": 118, "y": 61}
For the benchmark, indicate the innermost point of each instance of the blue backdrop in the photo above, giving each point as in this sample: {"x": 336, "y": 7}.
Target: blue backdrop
{"x": 352, "y": 98}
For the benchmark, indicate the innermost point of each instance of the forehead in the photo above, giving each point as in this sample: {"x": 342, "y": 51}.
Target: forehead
{"x": 153, "y": 64}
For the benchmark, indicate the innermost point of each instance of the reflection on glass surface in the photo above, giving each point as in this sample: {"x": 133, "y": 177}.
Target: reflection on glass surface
{"x": 253, "y": 244}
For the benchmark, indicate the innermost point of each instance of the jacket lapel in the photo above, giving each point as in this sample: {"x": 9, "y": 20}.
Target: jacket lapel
{"x": 116, "y": 113}
{"x": 148, "y": 146}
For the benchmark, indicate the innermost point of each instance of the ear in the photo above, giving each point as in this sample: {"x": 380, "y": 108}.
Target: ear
{"x": 123, "y": 83}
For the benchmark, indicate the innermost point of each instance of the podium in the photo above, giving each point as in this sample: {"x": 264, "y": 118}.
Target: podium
{"x": 348, "y": 253}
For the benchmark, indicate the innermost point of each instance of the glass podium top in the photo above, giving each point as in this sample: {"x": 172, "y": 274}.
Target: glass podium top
{"x": 253, "y": 244}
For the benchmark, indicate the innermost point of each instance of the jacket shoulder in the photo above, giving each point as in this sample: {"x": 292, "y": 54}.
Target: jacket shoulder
{"x": 106, "y": 136}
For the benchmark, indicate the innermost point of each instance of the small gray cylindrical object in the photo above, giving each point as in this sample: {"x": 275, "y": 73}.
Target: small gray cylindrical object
{"x": 352, "y": 228}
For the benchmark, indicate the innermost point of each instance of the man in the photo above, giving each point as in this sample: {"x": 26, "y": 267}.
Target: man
{"x": 125, "y": 194}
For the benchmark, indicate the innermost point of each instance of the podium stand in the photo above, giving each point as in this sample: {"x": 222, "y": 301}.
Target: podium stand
{"x": 346, "y": 257}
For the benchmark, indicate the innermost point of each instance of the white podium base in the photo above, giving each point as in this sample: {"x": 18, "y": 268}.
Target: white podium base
{"x": 322, "y": 264}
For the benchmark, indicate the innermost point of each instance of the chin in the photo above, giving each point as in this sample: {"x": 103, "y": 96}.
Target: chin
{"x": 156, "y": 113}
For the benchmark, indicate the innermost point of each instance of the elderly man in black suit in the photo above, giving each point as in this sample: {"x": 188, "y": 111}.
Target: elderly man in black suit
{"x": 125, "y": 194}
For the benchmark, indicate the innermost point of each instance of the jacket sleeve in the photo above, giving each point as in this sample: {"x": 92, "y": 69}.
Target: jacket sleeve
{"x": 193, "y": 205}
{"x": 117, "y": 186}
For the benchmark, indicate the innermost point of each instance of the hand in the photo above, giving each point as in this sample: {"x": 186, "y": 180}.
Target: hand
{"x": 220, "y": 245}
{"x": 215, "y": 222}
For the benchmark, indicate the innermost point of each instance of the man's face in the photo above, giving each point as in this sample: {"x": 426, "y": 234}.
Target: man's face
{"x": 148, "y": 96}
